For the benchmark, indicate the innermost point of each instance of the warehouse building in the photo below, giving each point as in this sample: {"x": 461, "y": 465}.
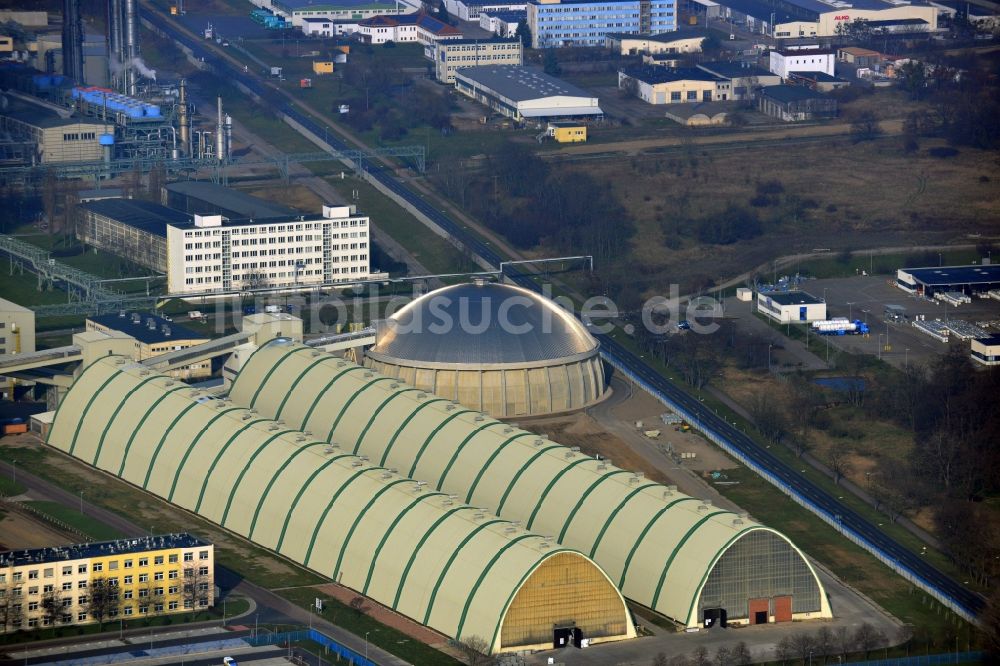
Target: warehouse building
{"x": 783, "y": 63}
{"x": 471, "y": 10}
{"x": 666, "y": 85}
{"x": 423, "y": 553}
{"x": 557, "y": 23}
{"x": 986, "y": 350}
{"x": 155, "y": 336}
{"x": 795, "y": 103}
{"x": 523, "y": 93}
{"x": 297, "y": 11}
{"x": 682, "y": 40}
{"x": 965, "y": 279}
{"x": 532, "y": 358}
{"x": 147, "y": 576}
{"x": 203, "y": 198}
{"x": 797, "y": 19}
{"x": 675, "y": 554}
{"x": 50, "y": 137}
{"x": 791, "y": 306}
{"x": 745, "y": 78}
{"x": 454, "y": 54}
{"x": 209, "y": 253}
{"x": 502, "y": 23}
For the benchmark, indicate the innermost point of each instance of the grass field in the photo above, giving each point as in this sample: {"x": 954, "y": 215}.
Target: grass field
{"x": 360, "y": 624}
{"x": 893, "y": 199}
{"x": 431, "y": 250}
{"x": 93, "y": 528}
{"x": 9, "y": 487}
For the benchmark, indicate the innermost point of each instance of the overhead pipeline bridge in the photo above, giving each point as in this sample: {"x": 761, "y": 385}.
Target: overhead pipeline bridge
{"x": 218, "y": 169}
{"x": 51, "y": 272}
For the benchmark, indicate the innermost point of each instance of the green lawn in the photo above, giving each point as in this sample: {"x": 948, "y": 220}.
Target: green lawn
{"x": 23, "y": 290}
{"x": 359, "y": 624}
{"x": 93, "y": 528}
{"x": 9, "y": 487}
{"x": 433, "y": 251}
{"x": 234, "y": 606}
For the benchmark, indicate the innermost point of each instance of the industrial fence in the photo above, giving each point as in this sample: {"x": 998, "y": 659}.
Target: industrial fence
{"x": 924, "y": 660}
{"x": 315, "y": 636}
{"x": 831, "y": 519}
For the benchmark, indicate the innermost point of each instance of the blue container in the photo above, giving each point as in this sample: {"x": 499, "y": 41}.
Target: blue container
{"x": 106, "y": 139}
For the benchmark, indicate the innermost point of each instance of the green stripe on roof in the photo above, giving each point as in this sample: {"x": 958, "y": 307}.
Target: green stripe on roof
{"x": 416, "y": 551}
{"x": 677, "y": 548}
{"x": 274, "y": 477}
{"x": 191, "y": 446}
{"x": 388, "y": 531}
{"x": 239, "y": 479}
{"x": 485, "y": 572}
{"x": 302, "y": 491}
{"x": 326, "y": 511}
{"x": 642, "y": 535}
{"x": 517, "y": 476}
{"x": 583, "y": 498}
{"x": 357, "y": 520}
{"x": 451, "y": 560}
{"x": 551, "y": 484}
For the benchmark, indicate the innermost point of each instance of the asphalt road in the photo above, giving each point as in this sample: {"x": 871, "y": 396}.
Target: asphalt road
{"x": 611, "y": 350}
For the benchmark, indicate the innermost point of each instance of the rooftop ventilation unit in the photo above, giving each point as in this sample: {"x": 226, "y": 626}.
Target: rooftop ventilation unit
{"x": 479, "y": 417}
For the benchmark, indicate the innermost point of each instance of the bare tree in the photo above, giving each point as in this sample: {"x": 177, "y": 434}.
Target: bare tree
{"x": 358, "y": 605}
{"x": 868, "y": 638}
{"x": 838, "y": 459}
{"x": 825, "y": 641}
{"x": 803, "y": 645}
{"x": 700, "y": 657}
{"x": 195, "y": 588}
{"x": 769, "y": 418}
{"x": 10, "y": 608}
{"x": 723, "y": 656}
{"x": 102, "y": 599}
{"x": 741, "y": 655}
{"x": 474, "y": 649}
{"x": 843, "y": 640}
{"x": 865, "y": 126}
{"x": 52, "y": 606}
{"x": 784, "y": 650}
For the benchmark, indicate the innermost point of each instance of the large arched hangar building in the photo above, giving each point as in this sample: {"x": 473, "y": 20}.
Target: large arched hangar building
{"x": 496, "y": 348}
{"x": 423, "y": 553}
{"x": 670, "y": 552}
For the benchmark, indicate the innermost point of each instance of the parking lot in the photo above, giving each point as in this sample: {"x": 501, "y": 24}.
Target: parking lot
{"x": 898, "y": 342}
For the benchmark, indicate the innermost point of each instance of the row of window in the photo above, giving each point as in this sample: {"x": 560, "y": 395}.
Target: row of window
{"x": 67, "y": 570}
{"x": 277, "y": 228}
{"x": 80, "y": 136}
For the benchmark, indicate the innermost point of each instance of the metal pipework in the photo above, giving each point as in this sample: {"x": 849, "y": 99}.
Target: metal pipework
{"x": 115, "y": 51}
{"x": 184, "y": 122}
{"x": 220, "y": 134}
{"x": 131, "y": 45}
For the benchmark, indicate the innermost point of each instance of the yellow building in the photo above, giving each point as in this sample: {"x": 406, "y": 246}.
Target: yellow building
{"x": 567, "y": 132}
{"x": 96, "y": 582}
{"x": 17, "y": 336}
{"x": 323, "y": 67}
{"x": 155, "y": 336}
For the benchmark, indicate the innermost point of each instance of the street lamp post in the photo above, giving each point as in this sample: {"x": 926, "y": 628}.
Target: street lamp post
{"x": 879, "y": 350}
{"x": 14, "y": 472}
{"x": 366, "y": 647}
{"x": 769, "y": 358}
{"x": 81, "y": 502}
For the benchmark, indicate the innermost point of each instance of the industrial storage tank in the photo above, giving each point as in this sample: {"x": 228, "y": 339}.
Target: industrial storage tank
{"x": 496, "y": 348}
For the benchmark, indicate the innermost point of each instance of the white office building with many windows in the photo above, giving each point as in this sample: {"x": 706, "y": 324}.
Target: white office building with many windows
{"x": 214, "y": 253}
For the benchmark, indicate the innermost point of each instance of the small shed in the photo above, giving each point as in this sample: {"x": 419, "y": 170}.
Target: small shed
{"x": 792, "y": 103}
{"x": 323, "y": 67}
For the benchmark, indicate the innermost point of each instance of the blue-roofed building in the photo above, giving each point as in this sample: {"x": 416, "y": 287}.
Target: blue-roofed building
{"x": 155, "y": 335}
{"x": 588, "y": 22}
{"x": 966, "y": 279}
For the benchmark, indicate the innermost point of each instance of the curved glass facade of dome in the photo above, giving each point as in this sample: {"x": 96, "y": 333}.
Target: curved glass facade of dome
{"x": 493, "y": 347}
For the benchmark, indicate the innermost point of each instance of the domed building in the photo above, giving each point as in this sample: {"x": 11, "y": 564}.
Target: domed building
{"x": 497, "y": 348}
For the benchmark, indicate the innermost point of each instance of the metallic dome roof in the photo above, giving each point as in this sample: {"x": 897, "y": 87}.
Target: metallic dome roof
{"x": 482, "y": 323}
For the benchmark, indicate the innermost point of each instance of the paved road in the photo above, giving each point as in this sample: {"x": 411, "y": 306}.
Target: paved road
{"x": 615, "y": 353}
{"x": 229, "y": 581}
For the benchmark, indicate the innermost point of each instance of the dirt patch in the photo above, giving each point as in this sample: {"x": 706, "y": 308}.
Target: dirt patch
{"x": 22, "y": 531}
{"x": 386, "y": 616}
{"x": 583, "y": 431}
